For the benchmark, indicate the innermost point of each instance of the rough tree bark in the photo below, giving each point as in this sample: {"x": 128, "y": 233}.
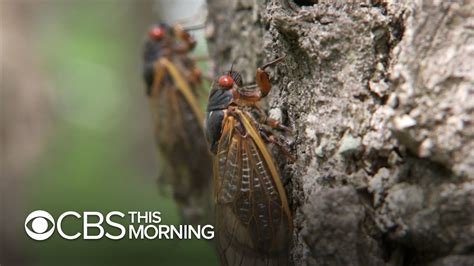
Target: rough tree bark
{"x": 380, "y": 95}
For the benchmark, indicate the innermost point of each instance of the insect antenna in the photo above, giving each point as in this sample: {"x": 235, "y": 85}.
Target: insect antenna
{"x": 234, "y": 74}
{"x": 232, "y": 65}
{"x": 274, "y": 62}
{"x": 194, "y": 27}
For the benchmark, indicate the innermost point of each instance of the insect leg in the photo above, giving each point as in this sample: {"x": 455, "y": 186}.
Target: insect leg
{"x": 265, "y": 119}
{"x": 262, "y": 78}
{"x": 197, "y": 78}
{"x": 274, "y": 62}
{"x": 182, "y": 48}
{"x": 270, "y": 138}
{"x": 249, "y": 93}
{"x": 200, "y": 58}
{"x": 276, "y": 124}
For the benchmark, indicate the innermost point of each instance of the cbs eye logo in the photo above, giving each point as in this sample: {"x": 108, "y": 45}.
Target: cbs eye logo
{"x": 38, "y": 222}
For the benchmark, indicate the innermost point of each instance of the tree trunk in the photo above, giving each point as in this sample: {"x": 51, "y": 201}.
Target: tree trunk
{"x": 380, "y": 95}
{"x": 25, "y": 122}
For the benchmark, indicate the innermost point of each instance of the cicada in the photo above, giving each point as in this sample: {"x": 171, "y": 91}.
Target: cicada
{"x": 253, "y": 219}
{"x": 173, "y": 85}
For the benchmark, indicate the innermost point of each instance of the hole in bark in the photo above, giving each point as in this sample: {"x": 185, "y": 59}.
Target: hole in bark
{"x": 397, "y": 29}
{"x": 305, "y": 2}
{"x": 361, "y": 97}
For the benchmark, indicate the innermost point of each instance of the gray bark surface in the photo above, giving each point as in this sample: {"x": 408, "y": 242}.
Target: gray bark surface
{"x": 380, "y": 95}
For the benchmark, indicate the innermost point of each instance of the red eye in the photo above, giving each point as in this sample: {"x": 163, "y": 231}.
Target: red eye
{"x": 156, "y": 33}
{"x": 226, "y": 81}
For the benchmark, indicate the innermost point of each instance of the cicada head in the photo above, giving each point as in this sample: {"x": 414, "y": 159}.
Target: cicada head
{"x": 156, "y": 41}
{"x": 157, "y": 38}
{"x": 220, "y": 97}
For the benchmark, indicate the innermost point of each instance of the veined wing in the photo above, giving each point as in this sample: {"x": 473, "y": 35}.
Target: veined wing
{"x": 253, "y": 219}
{"x": 184, "y": 88}
{"x": 180, "y": 138}
{"x": 171, "y": 100}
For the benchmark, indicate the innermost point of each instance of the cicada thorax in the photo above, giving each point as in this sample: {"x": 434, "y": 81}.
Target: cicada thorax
{"x": 172, "y": 79}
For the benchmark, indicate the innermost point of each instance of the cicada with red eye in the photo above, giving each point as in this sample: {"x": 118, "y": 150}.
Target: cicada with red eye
{"x": 174, "y": 88}
{"x": 253, "y": 219}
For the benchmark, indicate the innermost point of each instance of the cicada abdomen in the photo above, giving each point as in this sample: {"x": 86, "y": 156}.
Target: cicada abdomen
{"x": 253, "y": 219}
{"x": 173, "y": 82}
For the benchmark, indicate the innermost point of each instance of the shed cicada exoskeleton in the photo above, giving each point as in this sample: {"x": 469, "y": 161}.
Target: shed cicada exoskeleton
{"x": 253, "y": 219}
{"x": 173, "y": 83}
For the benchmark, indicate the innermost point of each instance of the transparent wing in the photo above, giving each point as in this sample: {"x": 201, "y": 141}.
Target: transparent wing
{"x": 167, "y": 115}
{"x": 179, "y": 135}
{"x": 252, "y": 216}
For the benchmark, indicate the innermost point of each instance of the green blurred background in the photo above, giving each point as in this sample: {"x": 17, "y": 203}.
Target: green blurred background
{"x": 76, "y": 132}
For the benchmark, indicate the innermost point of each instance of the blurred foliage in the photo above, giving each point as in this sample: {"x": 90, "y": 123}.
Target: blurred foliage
{"x": 101, "y": 155}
